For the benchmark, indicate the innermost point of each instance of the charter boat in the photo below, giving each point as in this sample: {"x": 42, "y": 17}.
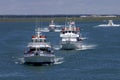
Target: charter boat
{"x": 39, "y": 51}
{"x": 71, "y": 37}
{"x": 110, "y": 24}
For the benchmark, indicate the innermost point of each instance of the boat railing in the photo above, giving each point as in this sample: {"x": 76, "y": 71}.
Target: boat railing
{"x": 71, "y": 42}
{"x": 39, "y": 43}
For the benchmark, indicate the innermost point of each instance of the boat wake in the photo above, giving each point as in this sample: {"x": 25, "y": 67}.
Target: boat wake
{"x": 58, "y": 60}
{"x": 80, "y": 47}
{"x": 56, "y": 47}
{"x": 20, "y": 61}
{"x": 83, "y": 38}
{"x": 105, "y": 26}
{"x": 85, "y": 47}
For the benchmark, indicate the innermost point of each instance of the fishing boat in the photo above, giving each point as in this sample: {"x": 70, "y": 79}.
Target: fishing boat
{"x": 110, "y": 24}
{"x": 39, "y": 51}
{"x": 71, "y": 37}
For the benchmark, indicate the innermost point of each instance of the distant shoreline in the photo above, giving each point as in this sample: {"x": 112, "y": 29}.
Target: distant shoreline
{"x": 57, "y": 18}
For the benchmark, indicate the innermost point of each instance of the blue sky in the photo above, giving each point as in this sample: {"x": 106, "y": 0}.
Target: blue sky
{"x": 43, "y": 7}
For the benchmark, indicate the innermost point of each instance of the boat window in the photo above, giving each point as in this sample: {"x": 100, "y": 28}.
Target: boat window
{"x": 40, "y": 40}
{"x": 33, "y": 49}
{"x": 35, "y": 40}
{"x": 44, "y": 40}
{"x": 43, "y": 49}
{"x": 38, "y": 49}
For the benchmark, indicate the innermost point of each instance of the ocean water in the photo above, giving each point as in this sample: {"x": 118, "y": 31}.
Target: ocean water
{"x": 100, "y": 60}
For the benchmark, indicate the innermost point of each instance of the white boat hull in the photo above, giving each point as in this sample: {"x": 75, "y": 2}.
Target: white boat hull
{"x": 51, "y": 29}
{"x": 69, "y": 46}
{"x": 39, "y": 59}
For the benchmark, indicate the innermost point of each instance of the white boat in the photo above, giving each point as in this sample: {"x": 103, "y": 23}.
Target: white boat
{"x": 71, "y": 37}
{"x": 38, "y": 50}
{"x": 110, "y": 24}
{"x": 52, "y": 27}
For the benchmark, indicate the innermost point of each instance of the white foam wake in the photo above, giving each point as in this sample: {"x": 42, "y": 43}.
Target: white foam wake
{"x": 85, "y": 47}
{"x": 58, "y": 60}
{"x": 20, "y": 61}
{"x": 57, "y": 47}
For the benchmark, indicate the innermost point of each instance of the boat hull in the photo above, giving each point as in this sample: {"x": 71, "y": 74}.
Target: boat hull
{"x": 39, "y": 59}
{"x": 69, "y": 46}
{"x": 51, "y": 29}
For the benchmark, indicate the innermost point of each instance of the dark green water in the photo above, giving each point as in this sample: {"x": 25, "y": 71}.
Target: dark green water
{"x": 99, "y": 63}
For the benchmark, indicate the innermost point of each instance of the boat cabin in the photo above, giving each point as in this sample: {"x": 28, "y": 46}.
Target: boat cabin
{"x": 39, "y": 39}
{"x": 33, "y": 50}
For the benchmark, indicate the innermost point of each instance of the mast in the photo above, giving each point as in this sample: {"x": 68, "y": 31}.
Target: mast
{"x": 37, "y": 31}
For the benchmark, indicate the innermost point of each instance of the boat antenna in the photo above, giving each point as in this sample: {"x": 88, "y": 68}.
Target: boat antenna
{"x": 36, "y": 23}
{"x": 66, "y": 21}
{"x": 40, "y": 22}
{"x": 37, "y": 27}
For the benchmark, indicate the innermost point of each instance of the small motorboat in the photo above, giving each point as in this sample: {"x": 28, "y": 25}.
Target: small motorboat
{"x": 110, "y": 24}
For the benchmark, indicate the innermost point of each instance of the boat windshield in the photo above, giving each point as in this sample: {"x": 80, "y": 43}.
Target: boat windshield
{"x": 49, "y": 50}
{"x": 39, "y": 40}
